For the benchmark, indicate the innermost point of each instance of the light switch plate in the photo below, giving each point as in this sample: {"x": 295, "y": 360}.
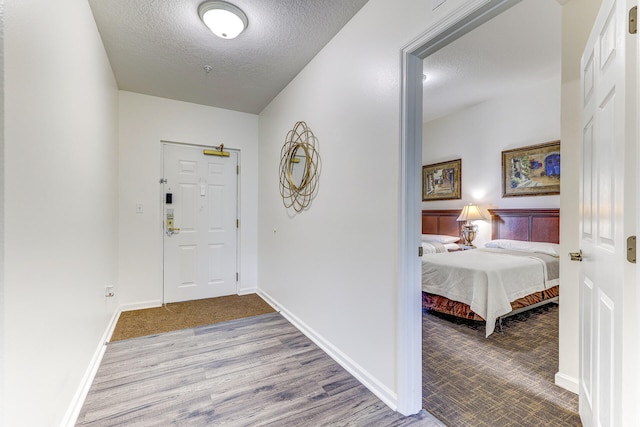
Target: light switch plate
{"x": 139, "y": 208}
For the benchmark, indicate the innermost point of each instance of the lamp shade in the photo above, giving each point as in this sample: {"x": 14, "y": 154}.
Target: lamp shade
{"x": 223, "y": 19}
{"x": 470, "y": 212}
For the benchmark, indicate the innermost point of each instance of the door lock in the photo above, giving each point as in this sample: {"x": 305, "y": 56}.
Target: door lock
{"x": 170, "y": 228}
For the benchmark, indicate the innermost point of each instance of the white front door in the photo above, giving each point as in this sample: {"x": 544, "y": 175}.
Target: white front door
{"x": 200, "y": 245}
{"x": 607, "y": 212}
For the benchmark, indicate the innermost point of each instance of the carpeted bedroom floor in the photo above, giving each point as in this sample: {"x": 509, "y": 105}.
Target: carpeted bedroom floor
{"x": 504, "y": 380}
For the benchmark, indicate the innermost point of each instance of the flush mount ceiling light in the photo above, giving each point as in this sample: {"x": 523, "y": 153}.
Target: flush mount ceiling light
{"x": 223, "y": 19}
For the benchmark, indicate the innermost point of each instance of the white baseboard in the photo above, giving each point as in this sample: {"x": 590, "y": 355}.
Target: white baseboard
{"x": 376, "y": 387}
{"x": 247, "y": 291}
{"x": 71, "y": 416}
{"x": 567, "y": 382}
{"x": 141, "y": 305}
{"x": 269, "y": 300}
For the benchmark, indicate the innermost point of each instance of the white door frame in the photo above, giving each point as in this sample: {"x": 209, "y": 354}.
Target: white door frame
{"x": 161, "y": 200}
{"x": 631, "y": 388}
{"x": 465, "y": 18}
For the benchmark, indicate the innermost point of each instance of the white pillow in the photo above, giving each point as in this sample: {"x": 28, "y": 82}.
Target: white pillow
{"x": 520, "y": 245}
{"x": 439, "y": 238}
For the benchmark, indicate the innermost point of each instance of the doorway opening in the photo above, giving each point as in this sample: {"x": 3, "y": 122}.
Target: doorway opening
{"x": 459, "y": 23}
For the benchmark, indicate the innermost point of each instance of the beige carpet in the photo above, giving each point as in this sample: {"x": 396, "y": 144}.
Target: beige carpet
{"x": 504, "y": 380}
{"x": 182, "y": 315}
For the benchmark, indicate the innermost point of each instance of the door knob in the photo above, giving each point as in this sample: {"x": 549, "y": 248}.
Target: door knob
{"x": 171, "y": 231}
{"x": 576, "y": 256}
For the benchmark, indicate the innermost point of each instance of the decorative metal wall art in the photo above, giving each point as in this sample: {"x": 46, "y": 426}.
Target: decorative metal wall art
{"x": 299, "y": 167}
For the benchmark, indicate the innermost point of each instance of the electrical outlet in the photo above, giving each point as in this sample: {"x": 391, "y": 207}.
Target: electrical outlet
{"x": 109, "y": 291}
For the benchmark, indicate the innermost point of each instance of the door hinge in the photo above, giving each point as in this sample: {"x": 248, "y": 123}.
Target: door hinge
{"x": 420, "y": 251}
{"x": 237, "y": 223}
{"x": 163, "y": 180}
{"x": 633, "y": 20}
{"x": 237, "y": 276}
{"x": 237, "y": 169}
{"x": 631, "y": 249}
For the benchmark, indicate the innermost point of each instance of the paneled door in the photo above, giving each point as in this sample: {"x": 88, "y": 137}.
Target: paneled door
{"x": 200, "y": 223}
{"x": 607, "y": 213}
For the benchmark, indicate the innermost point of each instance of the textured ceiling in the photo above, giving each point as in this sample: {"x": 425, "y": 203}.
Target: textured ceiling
{"x": 160, "y": 48}
{"x": 517, "y": 48}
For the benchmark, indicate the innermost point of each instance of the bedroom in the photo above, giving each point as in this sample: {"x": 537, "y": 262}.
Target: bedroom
{"x": 498, "y": 100}
{"x": 493, "y": 100}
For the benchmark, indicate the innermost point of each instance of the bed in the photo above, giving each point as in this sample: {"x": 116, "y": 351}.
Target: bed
{"x": 437, "y": 243}
{"x": 489, "y": 284}
{"x": 440, "y": 232}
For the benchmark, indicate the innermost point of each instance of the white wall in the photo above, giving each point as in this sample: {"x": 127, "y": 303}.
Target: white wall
{"x": 480, "y": 133}
{"x": 144, "y": 122}
{"x": 346, "y": 245}
{"x": 60, "y": 204}
{"x": 577, "y": 19}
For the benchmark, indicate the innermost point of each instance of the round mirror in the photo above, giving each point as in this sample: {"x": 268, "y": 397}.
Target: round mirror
{"x": 298, "y": 174}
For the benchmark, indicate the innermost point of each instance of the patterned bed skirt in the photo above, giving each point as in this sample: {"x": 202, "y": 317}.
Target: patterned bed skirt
{"x": 459, "y": 309}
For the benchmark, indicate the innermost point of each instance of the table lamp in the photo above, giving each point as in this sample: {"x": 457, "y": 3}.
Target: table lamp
{"x": 469, "y": 213}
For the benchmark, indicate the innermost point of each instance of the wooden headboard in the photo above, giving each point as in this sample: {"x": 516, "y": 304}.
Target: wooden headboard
{"x": 534, "y": 225}
{"x": 441, "y": 222}
{"x": 537, "y": 225}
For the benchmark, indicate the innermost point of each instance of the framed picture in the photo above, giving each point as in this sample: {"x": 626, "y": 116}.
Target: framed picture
{"x": 531, "y": 171}
{"x": 442, "y": 181}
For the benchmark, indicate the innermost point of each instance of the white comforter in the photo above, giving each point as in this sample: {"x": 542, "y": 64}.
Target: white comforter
{"x": 485, "y": 279}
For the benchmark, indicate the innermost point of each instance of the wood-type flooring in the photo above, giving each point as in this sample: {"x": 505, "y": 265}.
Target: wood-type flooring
{"x": 256, "y": 371}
